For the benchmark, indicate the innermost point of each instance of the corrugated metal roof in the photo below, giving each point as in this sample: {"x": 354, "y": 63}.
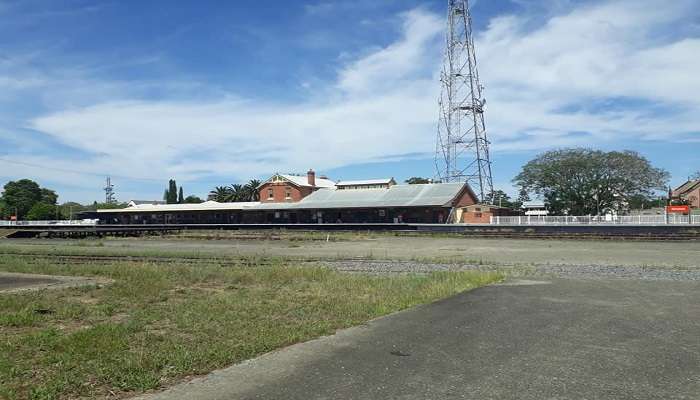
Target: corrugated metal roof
{"x": 384, "y": 181}
{"x": 304, "y": 181}
{"x": 433, "y": 195}
{"x": 139, "y": 202}
{"x": 206, "y": 206}
{"x": 684, "y": 188}
{"x": 439, "y": 194}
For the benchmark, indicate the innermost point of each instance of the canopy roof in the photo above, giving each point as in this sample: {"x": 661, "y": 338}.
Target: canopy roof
{"x": 427, "y": 195}
{"x": 440, "y": 195}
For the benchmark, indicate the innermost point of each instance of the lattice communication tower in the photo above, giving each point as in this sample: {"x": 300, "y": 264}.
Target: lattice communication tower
{"x": 109, "y": 192}
{"x": 462, "y": 153}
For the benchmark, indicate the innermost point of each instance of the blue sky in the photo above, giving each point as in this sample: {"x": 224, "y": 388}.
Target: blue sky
{"x": 213, "y": 93}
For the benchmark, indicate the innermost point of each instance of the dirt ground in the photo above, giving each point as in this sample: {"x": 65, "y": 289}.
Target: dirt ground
{"x": 489, "y": 251}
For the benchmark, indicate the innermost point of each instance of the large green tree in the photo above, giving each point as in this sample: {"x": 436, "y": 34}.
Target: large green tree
{"x": 20, "y": 196}
{"x": 42, "y": 212}
{"x": 590, "y": 182}
{"x": 181, "y": 196}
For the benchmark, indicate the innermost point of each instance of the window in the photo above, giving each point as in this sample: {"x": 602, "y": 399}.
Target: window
{"x": 477, "y": 215}
{"x": 477, "y": 209}
{"x": 270, "y": 194}
{"x": 288, "y": 193}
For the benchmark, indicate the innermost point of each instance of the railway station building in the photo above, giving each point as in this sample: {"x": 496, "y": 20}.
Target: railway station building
{"x": 295, "y": 199}
{"x": 688, "y": 192}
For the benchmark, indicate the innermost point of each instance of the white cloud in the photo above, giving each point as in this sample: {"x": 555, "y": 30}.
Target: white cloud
{"x": 384, "y": 103}
{"x": 609, "y": 50}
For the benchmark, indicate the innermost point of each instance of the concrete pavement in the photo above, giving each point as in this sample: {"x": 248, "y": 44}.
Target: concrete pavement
{"x": 558, "y": 339}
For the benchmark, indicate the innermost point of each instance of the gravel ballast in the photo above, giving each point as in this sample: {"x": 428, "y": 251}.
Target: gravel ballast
{"x": 544, "y": 270}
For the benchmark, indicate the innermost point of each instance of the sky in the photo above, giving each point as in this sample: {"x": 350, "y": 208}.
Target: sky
{"x": 212, "y": 93}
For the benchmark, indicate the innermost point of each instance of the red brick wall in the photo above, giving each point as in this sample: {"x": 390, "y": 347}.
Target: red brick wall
{"x": 279, "y": 190}
{"x": 465, "y": 198}
{"x": 481, "y": 214}
{"x": 472, "y": 217}
{"x": 693, "y": 198}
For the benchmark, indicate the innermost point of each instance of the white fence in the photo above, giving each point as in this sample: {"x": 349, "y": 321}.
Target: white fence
{"x": 82, "y": 222}
{"x": 670, "y": 219}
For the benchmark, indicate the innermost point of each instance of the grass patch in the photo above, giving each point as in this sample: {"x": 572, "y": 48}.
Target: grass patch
{"x": 161, "y": 322}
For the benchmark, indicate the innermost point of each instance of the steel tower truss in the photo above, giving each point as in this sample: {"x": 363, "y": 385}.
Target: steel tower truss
{"x": 462, "y": 153}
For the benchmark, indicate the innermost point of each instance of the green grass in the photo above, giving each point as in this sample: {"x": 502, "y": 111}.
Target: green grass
{"x": 158, "y": 323}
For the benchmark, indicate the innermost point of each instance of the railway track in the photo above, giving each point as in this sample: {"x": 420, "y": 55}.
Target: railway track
{"x": 233, "y": 261}
{"x": 582, "y": 236}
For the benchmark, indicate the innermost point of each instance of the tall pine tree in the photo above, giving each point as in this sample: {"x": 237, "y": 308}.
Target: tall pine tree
{"x": 172, "y": 192}
{"x": 180, "y": 196}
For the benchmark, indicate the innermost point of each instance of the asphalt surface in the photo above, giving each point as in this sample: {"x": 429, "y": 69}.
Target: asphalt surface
{"x": 557, "y": 339}
{"x": 16, "y": 282}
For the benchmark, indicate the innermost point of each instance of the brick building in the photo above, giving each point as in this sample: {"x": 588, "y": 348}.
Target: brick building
{"x": 281, "y": 188}
{"x": 482, "y": 213}
{"x": 688, "y": 192}
{"x": 289, "y": 199}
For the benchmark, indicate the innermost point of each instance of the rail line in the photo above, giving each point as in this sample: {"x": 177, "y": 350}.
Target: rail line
{"x": 545, "y": 232}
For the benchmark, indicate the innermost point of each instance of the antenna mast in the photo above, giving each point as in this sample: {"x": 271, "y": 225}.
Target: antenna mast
{"x": 462, "y": 150}
{"x": 109, "y": 192}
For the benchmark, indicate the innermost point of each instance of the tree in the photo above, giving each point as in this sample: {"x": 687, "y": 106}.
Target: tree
{"x": 220, "y": 194}
{"x": 523, "y": 197}
{"x": 108, "y": 206}
{"x": 644, "y": 202}
{"x": 193, "y": 200}
{"x": 251, "y": 190}
{"x": 48, "y": 196}
{"x": 417, "y": 180}
{"x": 180, "y": 196}
{"x": 236, "y": 193}
{"x": 171, "y": 193}
{"x": 587, "y": 182}
{"x": 20, "y": 196}
{"x": 500, "y": 198}
{"x": 41, "y": 212}
{"x": 70, "y": 209}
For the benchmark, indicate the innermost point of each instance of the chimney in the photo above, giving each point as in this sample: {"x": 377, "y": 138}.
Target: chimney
{"x": 311, "y": 176}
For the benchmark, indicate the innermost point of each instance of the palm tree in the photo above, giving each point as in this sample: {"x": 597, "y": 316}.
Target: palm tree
{"x": 220, "y": 194}
{"x": 251, "y": 188}
{"x": 236, "y": 193}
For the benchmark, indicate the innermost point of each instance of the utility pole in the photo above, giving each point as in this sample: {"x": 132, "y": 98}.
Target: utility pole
{"x": 462, "y": 148}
